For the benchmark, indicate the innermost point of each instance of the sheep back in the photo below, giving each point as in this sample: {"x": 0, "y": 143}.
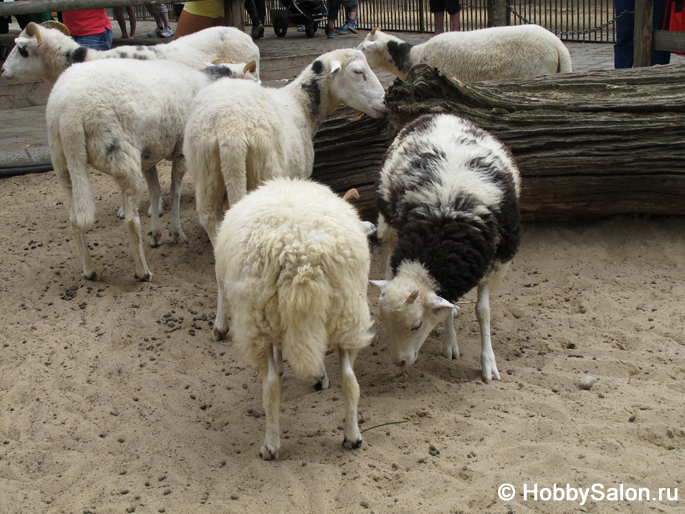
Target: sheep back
{"x": 450, "y": 190}
{"x": 294, "y": 260}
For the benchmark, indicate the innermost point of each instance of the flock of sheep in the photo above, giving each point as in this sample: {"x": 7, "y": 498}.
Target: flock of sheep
{"x": 292, "y": 258}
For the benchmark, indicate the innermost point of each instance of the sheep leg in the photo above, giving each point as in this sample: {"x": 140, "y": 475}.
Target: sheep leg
{"x": 221, "y": 320}
{"x": 211, "y": 213}
{"x": 322, "y": 383}
{"x": 449, "y": 337}
{"x": 487, "y": 356}
{"x": 350, "y": 387}
{"x": 278, "y": 355}
{"x": 90, "y": 272}
{"x": 155, "y": 191}
{"x": 133, "y": 225}
{"x": 271, "y": 396}
{"x": 178, "y": 170}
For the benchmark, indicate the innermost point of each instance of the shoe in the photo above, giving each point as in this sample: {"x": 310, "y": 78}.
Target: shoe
{"x": 301, "y": 28}
{"x": 258, "y": 31}
{"x": 343, "y": 30}
{"x": 331, "y": 34}
{"x": 157, "y": 33}
{"x": 352, "y": 27}
{"x": 167, "y": 32}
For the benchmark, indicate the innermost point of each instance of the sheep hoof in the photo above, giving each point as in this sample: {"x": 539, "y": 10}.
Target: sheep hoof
{"x": 323, "y": 384}
{"x": 452, "y": 353}
{"x": 120, "y": 213}
{"x": 155, "y": 239}
{"x": 178, "y": 237}
{"x": 145, "y": 278}
{"x": 489, "y": 375}
{"x": 219, "y": 334}
{"x": 268, "y": 452}
{"x": 352, "y": 445}
{"x": 93, "y": 275}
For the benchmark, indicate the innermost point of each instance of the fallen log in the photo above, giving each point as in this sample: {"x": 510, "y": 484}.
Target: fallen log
{"x": 588, "y": 145}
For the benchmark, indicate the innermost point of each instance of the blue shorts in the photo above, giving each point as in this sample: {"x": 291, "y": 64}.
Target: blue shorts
{"x": 451, "y": 6}
{"x": 102, "y": 41}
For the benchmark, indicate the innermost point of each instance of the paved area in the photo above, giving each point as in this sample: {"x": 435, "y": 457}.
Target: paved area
{"x": 23, "y": 137}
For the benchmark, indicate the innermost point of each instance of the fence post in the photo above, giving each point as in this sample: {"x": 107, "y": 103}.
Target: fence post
{"x": 642, "y": 37}
{"x": 422, "y": 22}
{"x": 497, "y": 13}
{"x": 234, "y": 14}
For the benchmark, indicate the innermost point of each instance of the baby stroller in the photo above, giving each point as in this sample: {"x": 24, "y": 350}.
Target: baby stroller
{"x": 300, "y": 12}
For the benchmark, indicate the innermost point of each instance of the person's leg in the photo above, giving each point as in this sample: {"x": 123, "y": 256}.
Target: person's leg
{"x": 119, "y": 15}
{"x": 261, "y": 9}
{"x": 190, "y": 23}
{"x": 625, "y": 25}
{"x": 439, "y": 22}
{"x": 132, "y": 20}
{"x": 333, "y": 8}
{"x": 659, "y": 57}
{"x": 453, "y": 7}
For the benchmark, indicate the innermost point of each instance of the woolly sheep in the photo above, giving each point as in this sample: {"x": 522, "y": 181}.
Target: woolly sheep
{"x": 104, "y": 113}
{"x": 240, "y": 134}
{"x": 294, "y": 262}
{"x": 45, "y": 51}
{"x": 485, "y": 54}
{"x": 448, "y": 200}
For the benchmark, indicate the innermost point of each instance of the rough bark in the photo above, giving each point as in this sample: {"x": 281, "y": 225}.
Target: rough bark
{"x": 588, "y": 145}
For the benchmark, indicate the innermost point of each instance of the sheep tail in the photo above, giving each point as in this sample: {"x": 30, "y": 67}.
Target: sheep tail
{"x": 304, "y": 301}
{"x": 73, "y": 139}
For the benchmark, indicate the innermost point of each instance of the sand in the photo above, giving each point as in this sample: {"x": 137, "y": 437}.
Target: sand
{"x": 114, "y": 398}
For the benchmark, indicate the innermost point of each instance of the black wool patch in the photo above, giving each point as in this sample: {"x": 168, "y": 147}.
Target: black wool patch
{"x": 509, "y": 226}
{"x": 122, "y": 55}
{"x": 417, "y": 127}
{"x": 399, "y": 53}
{"x": 113, "y": 147}
{"x": 76, "y": 56}
{"x": 318, "y": 67}
{"x": 314, "y": 93}
{"x": 457, "y": 254}
{"x": 218, "y": 72}
{"x": 145, "y": 154}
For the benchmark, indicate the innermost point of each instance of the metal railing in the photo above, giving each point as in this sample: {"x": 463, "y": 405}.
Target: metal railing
{"x": 571, "y": 20}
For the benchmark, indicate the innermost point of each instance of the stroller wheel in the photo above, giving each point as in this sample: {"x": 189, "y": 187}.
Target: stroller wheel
{"x": 281, "y": 26}
{"x": 310, "y": 29}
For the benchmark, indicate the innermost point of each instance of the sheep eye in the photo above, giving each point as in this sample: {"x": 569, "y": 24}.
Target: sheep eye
{"x": 416, "y": 326}
{"x": 359, "y": 72}
{"x": 23, "y": 51}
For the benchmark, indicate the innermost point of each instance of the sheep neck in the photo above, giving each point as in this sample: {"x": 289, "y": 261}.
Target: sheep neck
{"x": 311, "y": 92}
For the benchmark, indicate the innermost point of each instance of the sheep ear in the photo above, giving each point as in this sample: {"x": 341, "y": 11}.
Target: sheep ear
{"x": 381, "y": 284}
{"x": 335, "y": 66}
{"x": 437, "y": 302}
{"x": 373, "y": 31}
{"x": 51, "y": 24}
{"x": 250, "y": 67}
{"x": 370, "y": 46}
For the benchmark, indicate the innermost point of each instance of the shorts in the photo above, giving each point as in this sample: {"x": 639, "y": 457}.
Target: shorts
{"x": 451, "y": 6}
{"x": 102, "y": 41}
{"x": 208, "y": 8}
{"x": 156, "y": 9}
{"x": 350, "y": 5}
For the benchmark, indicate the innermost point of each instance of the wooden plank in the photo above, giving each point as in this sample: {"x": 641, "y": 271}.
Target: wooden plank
{"x": 668, "y": 41}
{"x": 642, "y": 38}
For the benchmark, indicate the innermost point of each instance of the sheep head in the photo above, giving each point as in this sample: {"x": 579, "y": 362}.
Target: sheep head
{"x": 410, "y": 311}
{"x": 25, "y": 60}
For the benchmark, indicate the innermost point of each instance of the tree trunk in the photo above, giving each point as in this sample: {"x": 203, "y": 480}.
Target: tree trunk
{"x": 587, "y": 145}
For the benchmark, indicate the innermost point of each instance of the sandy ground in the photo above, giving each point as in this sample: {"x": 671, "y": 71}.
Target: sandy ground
{"x": 113, "y": 397}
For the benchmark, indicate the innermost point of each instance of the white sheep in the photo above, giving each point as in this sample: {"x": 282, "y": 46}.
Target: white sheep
{"x": 45, "y": 51}
{"x": 240, "y": 134}
{"x": 486, "y": 54}
{"x": 293, "y": 260}
{"x": 448, "y": 200}
{"x": 104, "y": 113}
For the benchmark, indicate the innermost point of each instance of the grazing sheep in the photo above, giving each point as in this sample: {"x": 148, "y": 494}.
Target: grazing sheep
{"x": 104, "y": 113}
{"x": 293, "y": 261}
{"x": 45, "y": 51}
{"x": 485, "y": 54}
{"x": 240, "y": 134}
{"x": 448, "y": 200}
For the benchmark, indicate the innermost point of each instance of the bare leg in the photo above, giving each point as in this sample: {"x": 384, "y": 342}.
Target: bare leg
{"x": 487, "y": 356}
{"x": 178, "y": 169}
{"x": 191, "y": 23}
{"x": 350, "y": 387}
{"x": 132, "y": 20}
{"x": 155, "y": 191}
{"x": 450, "y": 336}
{"x": 119, "y": 15}
{"x": 271, "y": 398}
{"x": 455, "y": 21}
{"x": 439, "y": 22}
